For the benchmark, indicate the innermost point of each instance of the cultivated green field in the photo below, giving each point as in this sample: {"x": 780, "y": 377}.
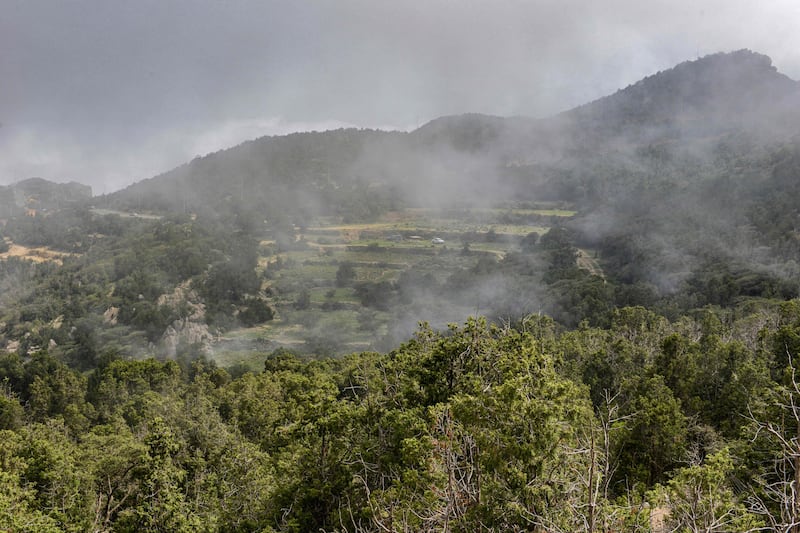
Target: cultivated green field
{"x": 314, "y": 314}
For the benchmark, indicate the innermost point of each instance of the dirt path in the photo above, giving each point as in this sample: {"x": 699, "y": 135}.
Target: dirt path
{"x": 587, "y": 262}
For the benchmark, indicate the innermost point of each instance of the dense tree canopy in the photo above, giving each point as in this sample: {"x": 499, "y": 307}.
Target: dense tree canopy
{"x": 481, "y": 426}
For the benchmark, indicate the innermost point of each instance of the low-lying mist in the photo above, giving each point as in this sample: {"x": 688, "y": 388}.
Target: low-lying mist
{"x": 673, "y": 193}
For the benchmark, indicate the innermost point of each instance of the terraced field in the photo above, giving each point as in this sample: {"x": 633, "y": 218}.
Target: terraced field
{"x": 301, "y": 281}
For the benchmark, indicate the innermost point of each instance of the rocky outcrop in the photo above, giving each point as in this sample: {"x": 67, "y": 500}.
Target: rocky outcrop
{"x": 190, "y": 329}
{"x": 110, "y": 315}
{"x": 185, "y": 333}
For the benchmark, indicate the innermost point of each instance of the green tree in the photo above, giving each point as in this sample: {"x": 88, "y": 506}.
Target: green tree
{"x": 700, "y": 498}
{"x": 656, "y": 434}
{"x": 19, "y": 508}
{"x": 51, "y": 468}
{"x": 11, "y": 412}
{"x": 113, "y": 460}
{"x": 161, "y": 503}
{"x": 345, "y": 274}
{"x": 500, "y": 422}
{"x": 303, "y": 300}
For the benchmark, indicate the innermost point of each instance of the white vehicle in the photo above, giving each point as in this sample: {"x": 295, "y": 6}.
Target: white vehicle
{"x": 437, "y": 240}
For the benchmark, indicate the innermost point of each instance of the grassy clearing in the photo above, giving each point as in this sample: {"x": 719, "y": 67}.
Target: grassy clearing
{"x": 548, "y": 212}
{"x": 553, "y": 212}
{"x": 427, "y": 223}
{"x": 125, "y": 214}
{"x": 37, "y": 254}
{"x": 519, "y": 229}
{"x": 245, "y": 359}
{"x": 340, "y": 295}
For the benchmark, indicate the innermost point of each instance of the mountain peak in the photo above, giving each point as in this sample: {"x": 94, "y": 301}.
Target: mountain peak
{"x": 743, "y": 59}
{"x": 741, "y": 66}
{"x": 732, "y": 85}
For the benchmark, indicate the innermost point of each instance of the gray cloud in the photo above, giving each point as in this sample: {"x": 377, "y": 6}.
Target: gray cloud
{"x": 112, "y": 92}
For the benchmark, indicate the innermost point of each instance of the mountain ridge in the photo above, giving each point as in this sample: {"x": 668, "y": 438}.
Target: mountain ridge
{"x": 456, "y": 157}
{"x": 693, "y": 86}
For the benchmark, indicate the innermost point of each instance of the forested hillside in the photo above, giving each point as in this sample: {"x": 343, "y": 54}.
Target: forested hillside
{"x": 689, "y": 168}
{"x": 588, "y": 322}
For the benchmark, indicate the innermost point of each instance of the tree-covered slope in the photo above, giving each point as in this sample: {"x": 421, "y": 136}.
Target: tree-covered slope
{"x": 277, "y": 178}
{"x": 675, "y": 121}
{"x": 647, "y": 423}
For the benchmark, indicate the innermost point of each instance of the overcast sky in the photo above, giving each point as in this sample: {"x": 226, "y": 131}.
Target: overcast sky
{"x": 109, "y": 92}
